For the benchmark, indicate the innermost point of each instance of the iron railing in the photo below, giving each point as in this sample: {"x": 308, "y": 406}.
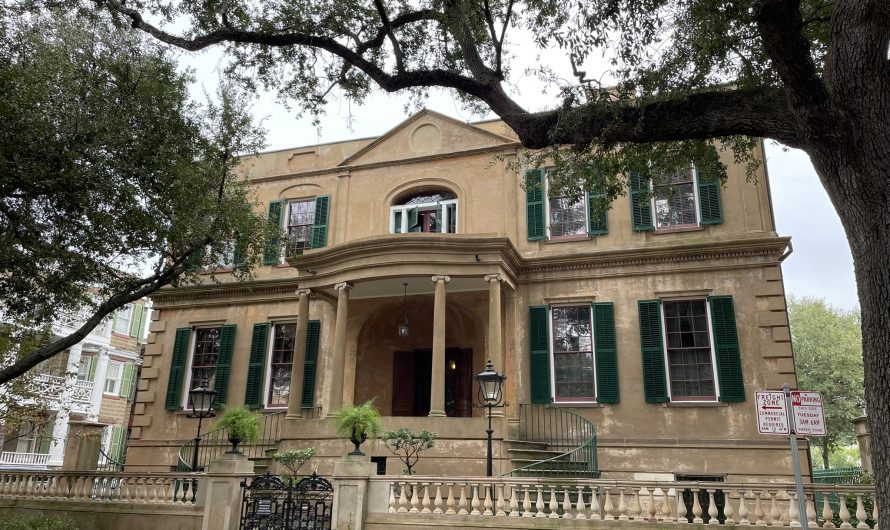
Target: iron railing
{"x": 216, "y": 442}
{"x": 561, "y": 430}
{"x": 107, "y": 463}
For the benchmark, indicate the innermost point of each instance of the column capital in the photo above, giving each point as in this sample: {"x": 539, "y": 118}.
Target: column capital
{"x": 440, "y": 278}
{"x": 497, "y": 277}
{"x": 301, "y": 292}
{"x": 343, "y": 285}
{"x": 103, "y": 352}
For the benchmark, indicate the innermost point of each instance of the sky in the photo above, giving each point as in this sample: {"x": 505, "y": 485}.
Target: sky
{"x": 821, "y": 265}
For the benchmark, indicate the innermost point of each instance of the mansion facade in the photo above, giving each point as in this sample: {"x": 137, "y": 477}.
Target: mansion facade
{"x": 414, "y": 257}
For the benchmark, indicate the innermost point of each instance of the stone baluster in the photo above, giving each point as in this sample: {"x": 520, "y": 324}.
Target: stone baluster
{"x": 860, "y": 512}
{"x": 514, "y": 502}
{"x": 681, "y": 508}
{"x": 622, "y": 505}
{"x": 728, "y": 511}
{"x": 426, "y": 499}
{"x": 526, "y": 503}
{"x": 415, "y": 498}
{"x": 392, "y": 498}
{"x": 636, "y": 509}
{"x": 403, "y": 497}
{"x": 579, "y": 505}
{"x": 712, "y": 508}
{"x": 743, "y": 508}
{"x": 500, "y": 491}
{"x": 475, "y": 503}
{"x": 759, "y": 512}
{"x": 696, "y": 507}
{"x": 594, "y": 504}
{"x": 539, "y": 502}
{"x": 844, "y": 513}
{"x": 793, "y": 511}
{"x": 437, "y": 502}
{"x": 666, "y": 511}
{"x": 874, "y": 513}
{"x": 566, "y": 504}
{"x": 450, "y": 503}
{"x": 487, "y": 504}
{"x": 827, "y": 514}
{"x": 553, "y": 505}
{"x": 651, "y": 510}
{"x": 607, "y": 505}
{"x": 774, "y": 514}
{"x": 811, "y": 513}
{"x": 462, "y": 504}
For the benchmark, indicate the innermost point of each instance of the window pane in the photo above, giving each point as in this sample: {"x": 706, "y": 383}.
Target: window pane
{"x": 567, "y": 217}
{"x": 204, "y": 360}
{"x": 122, "y": 319}
{"x": 689, "y": 350}
{"x": 573, "y": 353}
{"x": 300, "y": 218}
{"x": 281, "y": 364}
{"x": 675, "y": 202}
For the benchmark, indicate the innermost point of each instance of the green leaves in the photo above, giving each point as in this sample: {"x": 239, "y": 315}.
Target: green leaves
{"x": 240, "y": 423}
{"x": 407, "y": 445}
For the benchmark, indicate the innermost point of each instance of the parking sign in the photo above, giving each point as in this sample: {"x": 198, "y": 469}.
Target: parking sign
{"x": 809, "y": 416}
{"x": 772, "y": 416}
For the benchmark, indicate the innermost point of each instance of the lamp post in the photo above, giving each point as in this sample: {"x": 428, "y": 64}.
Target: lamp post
{"x": 201, "y": 403}
{"x": 491, "y": 395}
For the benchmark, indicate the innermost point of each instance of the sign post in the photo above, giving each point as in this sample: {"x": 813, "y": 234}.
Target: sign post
{"x": 795, "y": 457}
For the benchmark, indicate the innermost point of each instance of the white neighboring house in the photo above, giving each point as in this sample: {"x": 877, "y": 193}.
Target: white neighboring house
{"x": 102, "y": 365}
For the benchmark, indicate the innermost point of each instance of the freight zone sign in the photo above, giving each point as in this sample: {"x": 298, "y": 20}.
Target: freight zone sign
{"x": 772, "y": 416}
{"x": 809, "y": 417}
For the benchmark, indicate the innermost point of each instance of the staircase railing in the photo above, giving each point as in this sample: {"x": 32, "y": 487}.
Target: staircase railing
{"x": 216, "y": 442}
{"x": 561, "y": 430}
{"x": 107, "y": 463}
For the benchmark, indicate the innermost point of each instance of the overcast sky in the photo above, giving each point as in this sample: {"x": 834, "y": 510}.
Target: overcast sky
{"x": 821, "y": 265}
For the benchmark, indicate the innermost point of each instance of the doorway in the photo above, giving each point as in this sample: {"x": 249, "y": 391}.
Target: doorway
{"x": 412, "y": 378}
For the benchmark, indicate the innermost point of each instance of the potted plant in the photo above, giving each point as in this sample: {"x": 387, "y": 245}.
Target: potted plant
{"x": 241, "y": 424}
{"x": 358, "y": 423}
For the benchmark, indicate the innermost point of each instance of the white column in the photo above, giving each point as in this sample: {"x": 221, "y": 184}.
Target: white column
{"x": 295, "y": 395}
{"x": 98, "y": 385}
{"x": 60, "y": 427}
{"x": 437, "y": 382}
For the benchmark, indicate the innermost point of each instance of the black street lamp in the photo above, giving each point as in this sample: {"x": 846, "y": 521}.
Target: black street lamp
{"x": 491, "y": 394}
{"x": 201, "y": 403}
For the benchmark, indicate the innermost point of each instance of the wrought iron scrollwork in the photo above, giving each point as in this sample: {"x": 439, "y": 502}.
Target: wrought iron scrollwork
{"x": 270, "y": 503}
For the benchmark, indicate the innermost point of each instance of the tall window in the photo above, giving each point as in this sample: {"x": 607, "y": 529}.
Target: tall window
{"x": 300, "y": 219}
{"x": 86, "y": 364}
{"x": 122, "y": 319}
{"x": 113, "y": 376}
{"x": 205, "y": 357}
{"x": 690, "y": 367}
{"x": 430, "y": 211}
{"x": 573, "y": 354}
{"x": 566, "y": 216}
{"x": 281, "y": 363}
{"x": 675, "y": 202}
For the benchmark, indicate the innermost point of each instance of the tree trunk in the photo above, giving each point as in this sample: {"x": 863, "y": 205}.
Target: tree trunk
{"x": 824, "y": 443}
{"x": 857, "y": 179}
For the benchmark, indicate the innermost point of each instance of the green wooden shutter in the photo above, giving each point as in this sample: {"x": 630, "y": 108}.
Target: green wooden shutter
{"x": 320, "y": 225}
{"x": 597, "y": 213}
{"x": 177, "y": 368}
{"x": 224, "y": 364}
{"x": 654, "y": 375}
{"x": 640, "y": 207}
{"x": 710, "y": 208}
{"x": 313, "y": 333}
{"x": 539, "y": 353}
{"x": 726, "y": 347}
{"x": 397, "y": 223}
{"x": 414, "y": 220}
{"x": 259, "y": 343}
{"x": 534, "y": 204}
{"x": 239, "y": 251}
{"x": 273, "y": 247}
{"x": 606, "y": 353}
{"x": 127, "y": 380}
{"x": 136, "y": 321}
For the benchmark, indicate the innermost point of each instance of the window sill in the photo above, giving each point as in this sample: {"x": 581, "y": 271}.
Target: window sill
{"x": 577, "y": 404}
{"x": 679, "y": 230}
{"x": 583, "y": 237}
{"x": 106, "y": 395}
{"x": 695, "y": 404}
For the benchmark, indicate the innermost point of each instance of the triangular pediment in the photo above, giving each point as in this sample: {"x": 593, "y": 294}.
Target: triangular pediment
{"x": 426, "y": 133}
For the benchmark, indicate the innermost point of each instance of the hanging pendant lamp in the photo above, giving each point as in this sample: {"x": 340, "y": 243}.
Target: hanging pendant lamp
{"x": 403, "y": 327}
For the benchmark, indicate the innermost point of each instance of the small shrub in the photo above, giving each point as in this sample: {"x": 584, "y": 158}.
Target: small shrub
{"x": 353, "y": 422}
{"x": 240, "y": 423}
{"x": 294, "y": 460}
{"x": 407, "y": 446}
{"x": 41, "y": 522}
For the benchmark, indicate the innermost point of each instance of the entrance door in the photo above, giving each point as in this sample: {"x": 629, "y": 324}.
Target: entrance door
{"x": 412, "y": 377}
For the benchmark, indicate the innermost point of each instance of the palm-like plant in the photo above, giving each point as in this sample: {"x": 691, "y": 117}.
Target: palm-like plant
{"x": 359, "y": 423}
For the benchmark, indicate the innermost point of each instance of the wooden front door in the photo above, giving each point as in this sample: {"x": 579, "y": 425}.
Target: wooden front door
{"x": 411, "y": 378}
{"x": 459, "y": 382}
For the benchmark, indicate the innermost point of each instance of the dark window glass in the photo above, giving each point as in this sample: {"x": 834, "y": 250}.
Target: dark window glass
{"x": 675, "y": 202}
{"x": 204, "y": 359}
{"x": 281, "y": 363}
{"x": 573, "y": 353}
{"x": 689, "y": 349}
{"x": 300, "y": 218}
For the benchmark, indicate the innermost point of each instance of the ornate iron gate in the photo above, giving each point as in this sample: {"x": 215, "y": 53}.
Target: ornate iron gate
{"x": 268, "y": 503}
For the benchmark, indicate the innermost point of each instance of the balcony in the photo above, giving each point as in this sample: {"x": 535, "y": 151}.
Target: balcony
{"x": 53, "y": 386}
{"x": 13, "y": 459}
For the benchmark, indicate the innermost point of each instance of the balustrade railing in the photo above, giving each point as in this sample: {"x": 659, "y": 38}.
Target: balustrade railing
{"x": 154, "y": 488}
{"x": 23, "y": 459}
{"x": 656, "y": 502}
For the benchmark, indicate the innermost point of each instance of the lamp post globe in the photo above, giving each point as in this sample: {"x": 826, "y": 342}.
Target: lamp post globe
{"x": 201, "y": 404}
{"x": 491, "y": 394}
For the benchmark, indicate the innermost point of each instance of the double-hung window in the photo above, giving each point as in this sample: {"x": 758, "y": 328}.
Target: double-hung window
{"x": 573, "y": 366}
{"x": 122, "y": 319}
{"x": 562, "y": 217}
{"x": 85, "y": 370}
{"x": 429, "y": 211}
{"x": 304, "y": 223}
{"x": 281, "y": 363}
{"x": 300, "y": 219}
{"x": 690, "y": 350}
{"x": 676, "y": 202}
{"x": 113, "y": 377}
{"x": 200, "y": 355}
{"x": 204, "y": 358}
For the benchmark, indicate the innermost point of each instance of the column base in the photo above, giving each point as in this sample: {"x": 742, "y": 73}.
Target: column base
{"x": 437, "y": 414}
{"x": 297, "y": 416}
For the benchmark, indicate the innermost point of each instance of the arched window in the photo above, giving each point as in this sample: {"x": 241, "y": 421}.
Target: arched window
{"x": 426, "y": 211}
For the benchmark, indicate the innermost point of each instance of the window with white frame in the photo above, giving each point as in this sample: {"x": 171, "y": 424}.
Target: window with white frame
{"x": 566, "y": 216}
{"x": 688, "y": 351}
{"x": 86, "y": 364}
{"x": 122, "y": 319}
{"x": 299, "y": 221}
{"x": 113, "y": 377}
{"x": 572, "y": 350}
{"x": 205, "y": 356}
{"x": 676, "y": 202}
{"x": 281, "y": 363}
{"x": 428, "y": 211}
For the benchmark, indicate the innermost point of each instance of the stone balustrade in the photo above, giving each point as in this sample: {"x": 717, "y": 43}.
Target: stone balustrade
{"x": 101, "y": 487}
{"x": 738, "y": 504}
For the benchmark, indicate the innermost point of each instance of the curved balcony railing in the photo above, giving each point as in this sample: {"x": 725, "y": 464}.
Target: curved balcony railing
{"x": 561, "y": 430}
{"x": 216, "y": 442}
